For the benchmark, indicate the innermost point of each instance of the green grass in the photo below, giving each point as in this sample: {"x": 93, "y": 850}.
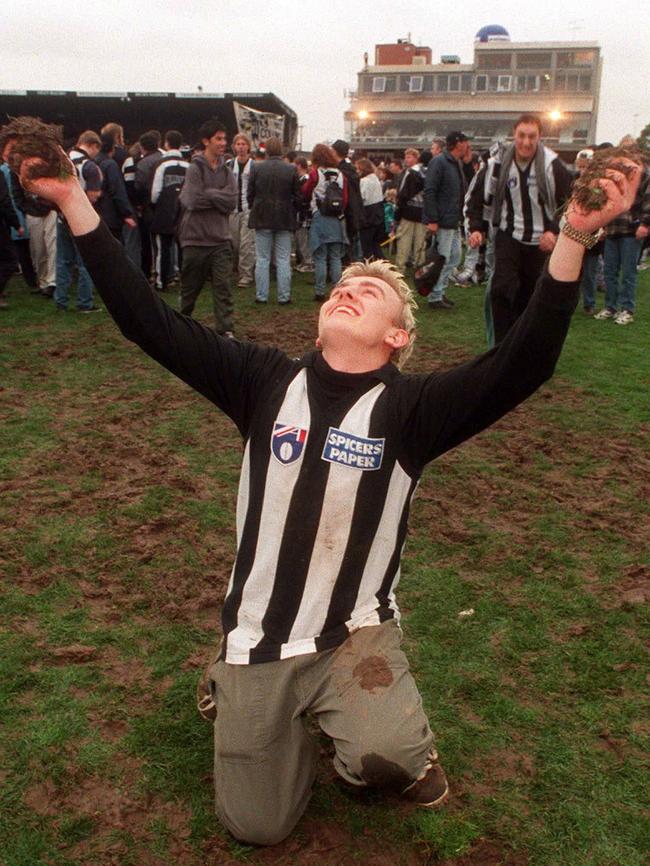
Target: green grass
{"x": 118, "y": 490}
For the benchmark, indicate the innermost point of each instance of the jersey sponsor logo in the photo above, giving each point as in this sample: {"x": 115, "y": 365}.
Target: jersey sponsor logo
{"x": 512, "y": 182}
{"x": 287, "y": 442}
{"x": 358, "y": 452}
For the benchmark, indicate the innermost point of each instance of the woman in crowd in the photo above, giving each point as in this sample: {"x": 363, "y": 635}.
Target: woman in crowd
{"x": 327, "y": 235}
{"x": 372, "y": 220}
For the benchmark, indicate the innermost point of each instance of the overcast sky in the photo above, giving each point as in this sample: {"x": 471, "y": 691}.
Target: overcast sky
{"x": 307, "y": 60}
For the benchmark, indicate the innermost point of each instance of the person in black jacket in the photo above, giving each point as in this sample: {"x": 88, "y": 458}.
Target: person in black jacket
{"x": 274, "y": 200}
{"x": 411, "y": 233}
{"x": 167, "y": 181}
{"x": 8, "y": 220}
{"x": 354, "y": 210}
{"x": 113, "y": 205}
{"x": 444, "y": 193}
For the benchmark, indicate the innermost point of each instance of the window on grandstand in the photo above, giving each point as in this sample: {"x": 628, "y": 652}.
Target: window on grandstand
{"x": 481, "y": 83}
{"x": 391, "y": 84}
{"x": 504, "y": 83}
{"x": 466, "y": 82}
{"x": 584, "y": 83}
{"x": 454, "y": 83}
{"x": 404, "y": 83}
{"x": 494, "y": 60}
{"x": 580, "y": 134}
{"x": 366, "y": 84}
{"x": 566, "y": 59}
{"x": 569, "y": 81}
{"x": 378, "y": 84}
{"x": 442, "y": 83}
{"x": 428, "y": 83}
{"x": 415, "y": 84}
{"x": 533, "y": 60}
{"x": 493, "y": 82}
{"x": 526, "y": 83}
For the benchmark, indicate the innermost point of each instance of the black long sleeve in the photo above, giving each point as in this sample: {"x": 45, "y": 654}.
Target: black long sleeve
{"x": 444, "y": 409}
{"x": 229, "y": 373}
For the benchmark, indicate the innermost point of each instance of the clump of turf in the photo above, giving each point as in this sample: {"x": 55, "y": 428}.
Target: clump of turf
{"x": 587, "y": 194}
{"x": 29, "y": 137}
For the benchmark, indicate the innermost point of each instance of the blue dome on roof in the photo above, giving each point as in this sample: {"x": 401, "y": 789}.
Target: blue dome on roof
{"x": 492, "y": 33}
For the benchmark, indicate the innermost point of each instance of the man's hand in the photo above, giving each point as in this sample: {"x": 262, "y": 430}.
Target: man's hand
{"x": 475, "y": 239}
{"x": 433, "y": 227}
{"x": 21, "y": 231}
{"x": 642, "y": 233}
{"x": 130, "y": 222}
{"x": 547, "y": 241}
{"x": 620, "y": 192}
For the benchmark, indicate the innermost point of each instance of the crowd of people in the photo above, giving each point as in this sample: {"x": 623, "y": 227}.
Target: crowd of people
{"x": 334, "y": 442}
{"x": 222, "y": 213}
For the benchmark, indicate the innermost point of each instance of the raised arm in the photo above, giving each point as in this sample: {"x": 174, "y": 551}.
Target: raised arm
{"x": 444, "y": 409}
{"x": 227, "y": 372}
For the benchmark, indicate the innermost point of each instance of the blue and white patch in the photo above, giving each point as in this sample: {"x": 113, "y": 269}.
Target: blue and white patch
{"x": 287, "y": 442}
{"x": 358, "y": 452}
{"x": 512, "y": 182}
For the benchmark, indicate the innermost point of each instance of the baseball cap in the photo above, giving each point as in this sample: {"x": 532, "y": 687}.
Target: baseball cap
{"x": 454, "y": 137}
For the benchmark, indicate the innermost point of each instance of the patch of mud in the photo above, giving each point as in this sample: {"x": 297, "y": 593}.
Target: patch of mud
{"x": 293, "y": 332}
{"x": 486, "y": 853}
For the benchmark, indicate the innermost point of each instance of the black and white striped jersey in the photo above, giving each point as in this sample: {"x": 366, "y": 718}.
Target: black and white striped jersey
{"x": 523, "y": 214}
{"x": 331, "y": 459}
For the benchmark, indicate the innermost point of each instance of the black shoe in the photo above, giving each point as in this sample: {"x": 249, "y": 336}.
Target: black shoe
{"x": 48, "y": 292}
{"x": 260, "y": 301}
{"x": 442, "y": 304}
{"x": 430, "y": 791}
{"x": 86, "y": 310}
{"x": 284, "y": 303}
{"x": 319, "y": 298}
{"x": 448, "y": 301}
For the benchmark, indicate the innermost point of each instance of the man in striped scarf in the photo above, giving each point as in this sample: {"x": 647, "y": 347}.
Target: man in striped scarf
{"x": 518, "y": 193}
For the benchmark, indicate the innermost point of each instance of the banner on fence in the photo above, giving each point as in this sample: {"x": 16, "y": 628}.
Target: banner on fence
{"x": 258, "y": 125}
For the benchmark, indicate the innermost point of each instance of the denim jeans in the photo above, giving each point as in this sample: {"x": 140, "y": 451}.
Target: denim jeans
{"x": 588, "y": 283}
{"x": 448, "y": 246}
{"x": 621, "y": 256}
{"x": 67, "y": 256}
{"x": 265, "y": 241}
{"x": 131, "y": 241}
{"x": 327, "y": 257}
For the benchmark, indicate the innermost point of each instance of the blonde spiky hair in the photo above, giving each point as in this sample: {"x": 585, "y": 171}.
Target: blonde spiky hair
{"x": 388, "y": 273}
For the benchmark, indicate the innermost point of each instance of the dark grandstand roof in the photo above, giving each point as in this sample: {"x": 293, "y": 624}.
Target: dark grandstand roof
{"x": 137, "y": 112}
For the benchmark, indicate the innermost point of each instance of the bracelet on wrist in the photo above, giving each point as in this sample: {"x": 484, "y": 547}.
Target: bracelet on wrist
{"x": 585, "y": 239}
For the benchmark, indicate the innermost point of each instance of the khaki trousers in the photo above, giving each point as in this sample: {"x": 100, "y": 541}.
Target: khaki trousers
{"x": 411, "y": 238}
{"x": 243, "y": 243}
{"x": 361, "y": 694}
{"x": 42, "y": 247}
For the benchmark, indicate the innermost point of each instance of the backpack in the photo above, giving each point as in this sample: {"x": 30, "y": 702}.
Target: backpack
{"x": 331, "y": 203}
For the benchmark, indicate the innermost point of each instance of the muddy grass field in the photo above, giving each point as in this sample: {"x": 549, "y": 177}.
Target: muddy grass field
{"x": 117, "y": 500}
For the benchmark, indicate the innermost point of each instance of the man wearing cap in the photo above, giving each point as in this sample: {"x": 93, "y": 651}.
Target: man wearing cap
{"x": 444, "y": 193}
